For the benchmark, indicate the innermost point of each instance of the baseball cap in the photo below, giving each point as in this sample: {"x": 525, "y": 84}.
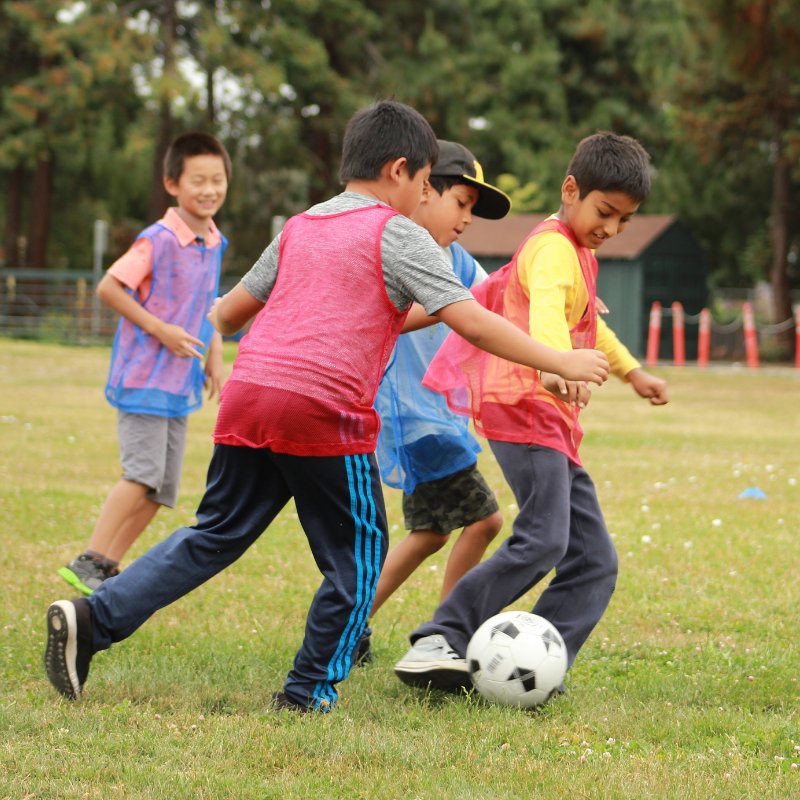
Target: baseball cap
{"x": 455, "y": 161}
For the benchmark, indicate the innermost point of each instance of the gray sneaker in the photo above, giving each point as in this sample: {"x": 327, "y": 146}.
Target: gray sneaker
{"x": 431, "y": 662}
{"x": 86, "y": 573}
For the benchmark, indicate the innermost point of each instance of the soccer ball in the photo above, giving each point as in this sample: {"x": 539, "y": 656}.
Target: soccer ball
{"x": 517, "y": 659}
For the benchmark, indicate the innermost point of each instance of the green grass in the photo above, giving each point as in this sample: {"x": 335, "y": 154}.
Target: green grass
{"x": 687, "y": 689}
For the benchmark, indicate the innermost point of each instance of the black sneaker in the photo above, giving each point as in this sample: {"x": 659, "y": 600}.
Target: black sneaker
{"x": 363, "y": 654}
{"x": 86, "y": 573}
{"x": 69, "y": 646}
{"x": 282, "y": 702}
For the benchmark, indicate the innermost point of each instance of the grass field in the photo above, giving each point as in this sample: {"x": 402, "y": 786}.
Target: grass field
{"x": 687, "y": 689}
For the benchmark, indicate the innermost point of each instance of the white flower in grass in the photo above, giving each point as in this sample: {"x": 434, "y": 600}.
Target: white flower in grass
{"x": 716, "y": 522}
{"x": 792, "y": 481}
{"x": 646, "y": 539}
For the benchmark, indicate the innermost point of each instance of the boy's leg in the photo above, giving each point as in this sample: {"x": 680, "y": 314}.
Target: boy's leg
{"x": 469, "y": 549}
{"x": 243, "y": 494}
{"x": 586, "y": 576}
{"x": 340, "y": 506}
{"x": 403, "y": 559}
{"x": 126, "y": 512}
{"x": 540, "y": 480}
{"x": 165, "y": 440}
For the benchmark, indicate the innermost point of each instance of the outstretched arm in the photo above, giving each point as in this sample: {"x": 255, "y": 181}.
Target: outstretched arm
{"x": 497, "y": 335}
{"x": 178, "y": 341}
{"x": 648, "y": 386}
{"x": 231, "y": 312}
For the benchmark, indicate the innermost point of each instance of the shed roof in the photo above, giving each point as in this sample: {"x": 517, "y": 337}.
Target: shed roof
{"x": 501, "y": 238}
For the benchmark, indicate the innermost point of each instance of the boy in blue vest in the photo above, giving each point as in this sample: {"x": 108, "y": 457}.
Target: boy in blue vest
{"x": 163, "y": 288}
{"x": 424, "y": 448}
{"x": 297, "y": 420}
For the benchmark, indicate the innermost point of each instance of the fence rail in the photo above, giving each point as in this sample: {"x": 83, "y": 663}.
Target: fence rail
{"x": 56, "y": 305}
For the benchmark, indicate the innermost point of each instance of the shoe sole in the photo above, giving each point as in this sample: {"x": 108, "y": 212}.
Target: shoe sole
{"x": 62, "y": 649}
{"x": 442, "y": 676}
{"x": 73, "y": 580}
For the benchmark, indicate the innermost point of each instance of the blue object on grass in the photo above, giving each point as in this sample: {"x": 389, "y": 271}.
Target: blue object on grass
{"x": 752, "y": 493}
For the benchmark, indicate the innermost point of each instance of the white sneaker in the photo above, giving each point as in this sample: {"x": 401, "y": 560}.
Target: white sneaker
{"x": 432, "y": 662}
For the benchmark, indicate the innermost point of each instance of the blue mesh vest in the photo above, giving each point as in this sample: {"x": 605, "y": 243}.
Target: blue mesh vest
{"x": 145, "y": 377}
{"x": 421, "y": 440}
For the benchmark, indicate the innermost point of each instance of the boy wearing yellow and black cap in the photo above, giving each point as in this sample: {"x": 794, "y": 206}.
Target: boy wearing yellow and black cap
{"x": 423, "y": 448}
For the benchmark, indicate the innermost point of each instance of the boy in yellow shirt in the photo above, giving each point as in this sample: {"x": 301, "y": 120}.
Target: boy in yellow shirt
{"x": 548, "y": 289}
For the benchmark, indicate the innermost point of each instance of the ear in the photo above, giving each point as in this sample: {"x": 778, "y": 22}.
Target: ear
{"x": 570, "y": 191}
{"x": 395, "y": 170}
{"x": 427, "y": 192}
{"x": 171, "y": 186}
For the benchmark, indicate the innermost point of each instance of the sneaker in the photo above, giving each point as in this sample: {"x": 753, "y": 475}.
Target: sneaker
{"x": 69, "y": 646}
{"x": 282, "y": 702}
{"x": 431, "y": 662}
{"x": 86, "y": 573}
{"x": 363, "y": 654}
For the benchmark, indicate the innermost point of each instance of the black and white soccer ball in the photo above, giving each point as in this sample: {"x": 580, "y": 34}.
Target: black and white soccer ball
{"x": 516, "y": 658}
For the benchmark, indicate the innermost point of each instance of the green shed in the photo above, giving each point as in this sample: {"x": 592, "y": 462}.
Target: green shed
{"x": 655, "y": 258}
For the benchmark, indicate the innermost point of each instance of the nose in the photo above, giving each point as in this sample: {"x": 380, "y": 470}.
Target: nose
{"x": 468, "y": 216}
{"x": 611, "y": 227}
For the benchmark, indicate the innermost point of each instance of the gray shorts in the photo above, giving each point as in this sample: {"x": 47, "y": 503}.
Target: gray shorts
{"x": 449, "y": 503}
{"x": 151, "y": 452}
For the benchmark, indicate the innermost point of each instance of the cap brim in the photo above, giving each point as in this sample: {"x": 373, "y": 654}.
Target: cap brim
{"x": 492, "y": 203}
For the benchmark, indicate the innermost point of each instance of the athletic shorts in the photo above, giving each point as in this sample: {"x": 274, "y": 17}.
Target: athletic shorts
{"x": 151, "y": 452}
{"x": 449, "y": 503}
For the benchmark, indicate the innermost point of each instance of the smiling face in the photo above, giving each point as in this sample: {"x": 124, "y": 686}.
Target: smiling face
{"x": 446, "y": 215}
{"x": 200, "y": 190}
{"x": 596, "y": 217}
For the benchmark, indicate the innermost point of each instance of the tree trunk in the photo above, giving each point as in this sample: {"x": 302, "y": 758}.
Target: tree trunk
{"x": 13, "y": 232}
{"x": 159, "y": 198}
{"x": 210, "y": 99}
{"x": 39, "y": 222}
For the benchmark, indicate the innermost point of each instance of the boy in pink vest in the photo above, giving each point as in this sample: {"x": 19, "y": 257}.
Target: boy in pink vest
{"x": 549, "y": 290}
{"x": 330, "y": 296}
{"x": 163, "y": 289}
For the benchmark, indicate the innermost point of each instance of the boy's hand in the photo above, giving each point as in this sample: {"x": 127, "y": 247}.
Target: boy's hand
{"x": 178, "y": 341}
{"x": 648, "y": 386}
{"x": 576, "y": 393}
{"x": 584, "y": 365}
{"x": 215, "y": 377}
{"x": 214, "y": 368}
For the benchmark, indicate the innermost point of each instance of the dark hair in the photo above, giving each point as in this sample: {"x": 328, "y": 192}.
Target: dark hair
{"x": 195, "y": 143}
{"x": 608, "y": 162}
{"x": 384, "y": 132}
{"x": 443, "y": 182}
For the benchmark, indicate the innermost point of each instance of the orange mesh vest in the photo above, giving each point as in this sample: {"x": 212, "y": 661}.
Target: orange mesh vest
{"x": 306, "y": 374}
{"x": 505, "y": 399}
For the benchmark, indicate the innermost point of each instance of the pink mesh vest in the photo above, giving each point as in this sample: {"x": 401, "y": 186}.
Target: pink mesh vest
{"x": 306, "y": 374}
{"x": 505, "y": 399}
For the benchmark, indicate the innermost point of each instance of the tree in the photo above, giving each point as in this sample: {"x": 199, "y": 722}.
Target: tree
{"x": 740, "y": 106}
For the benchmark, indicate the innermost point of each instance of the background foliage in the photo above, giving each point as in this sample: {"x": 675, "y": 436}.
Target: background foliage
{"x": 92, "y": 91}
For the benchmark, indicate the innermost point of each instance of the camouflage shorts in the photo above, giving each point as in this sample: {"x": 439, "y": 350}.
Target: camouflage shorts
{"x": 449, "y": 503}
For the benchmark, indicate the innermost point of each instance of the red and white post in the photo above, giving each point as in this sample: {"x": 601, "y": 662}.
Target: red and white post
{"x": 750, "y": 336}
{"x": 678, "y": 335}
{"x": 704, "y": 338}
{"x": 653, "y": 334}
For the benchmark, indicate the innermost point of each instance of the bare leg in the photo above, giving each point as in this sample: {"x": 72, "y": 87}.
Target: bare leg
{"x": 469, "y": 549}
{"x": 125, "y": 514}
{"x": 402, "y": 560}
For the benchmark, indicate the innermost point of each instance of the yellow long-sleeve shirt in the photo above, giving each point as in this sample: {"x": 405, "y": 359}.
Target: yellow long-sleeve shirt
{"x": 550, "y": 274}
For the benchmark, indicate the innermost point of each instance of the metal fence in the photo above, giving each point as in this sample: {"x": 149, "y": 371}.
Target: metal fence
{"x": 57, "y": 306}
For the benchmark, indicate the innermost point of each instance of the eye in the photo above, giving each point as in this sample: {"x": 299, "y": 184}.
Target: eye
{"x": 603, "y": 214}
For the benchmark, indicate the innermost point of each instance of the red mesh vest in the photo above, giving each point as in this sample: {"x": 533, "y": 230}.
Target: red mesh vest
{"x": 504, "y": 399}
{"x": 306, "y": 374}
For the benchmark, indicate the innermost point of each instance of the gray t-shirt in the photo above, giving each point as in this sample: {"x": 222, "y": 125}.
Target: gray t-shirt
{"x": 414, "y": 267}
